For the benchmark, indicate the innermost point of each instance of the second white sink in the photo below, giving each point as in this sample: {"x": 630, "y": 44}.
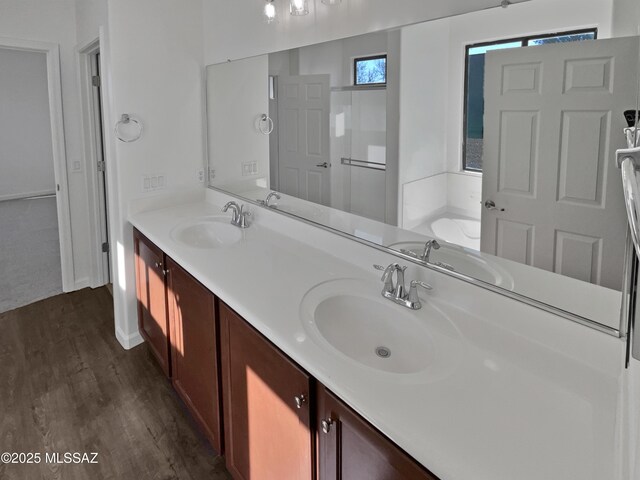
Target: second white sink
{"x": 351, "y": 317}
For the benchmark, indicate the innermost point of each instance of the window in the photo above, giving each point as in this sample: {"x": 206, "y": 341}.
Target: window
{"x": 473, "y": 128}
{"x": 370, "y": 70}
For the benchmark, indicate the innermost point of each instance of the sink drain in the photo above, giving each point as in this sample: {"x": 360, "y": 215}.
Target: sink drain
{"x": 383, "y": 352}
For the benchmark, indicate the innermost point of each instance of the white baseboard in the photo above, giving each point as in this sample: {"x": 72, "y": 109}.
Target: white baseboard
{"x": 129, "y": 341}
{"x": 19, "y": 196}
{"x": 81, "y": 283}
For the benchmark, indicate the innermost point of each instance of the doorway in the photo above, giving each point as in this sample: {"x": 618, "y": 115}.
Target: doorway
{"x": 92, "y": 96}
{"x": 35, "y": 233}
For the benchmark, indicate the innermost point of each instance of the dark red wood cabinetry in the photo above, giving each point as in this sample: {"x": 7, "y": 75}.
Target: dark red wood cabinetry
{"x": 279, "y": 423}
{"x": 194, "y": 351}
{"x": 349, "y": 448}
{"x": 153, "y": 321}
{"x": 266, "y": 406}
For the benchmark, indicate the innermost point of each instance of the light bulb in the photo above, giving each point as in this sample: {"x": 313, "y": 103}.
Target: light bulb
{"x": 299, "y": 7}
{"x": 269, "y": 11}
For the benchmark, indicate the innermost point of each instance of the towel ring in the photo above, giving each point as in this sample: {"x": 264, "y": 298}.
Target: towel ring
{"x": 269, "y": 123}
{"x": 126, "y": 119}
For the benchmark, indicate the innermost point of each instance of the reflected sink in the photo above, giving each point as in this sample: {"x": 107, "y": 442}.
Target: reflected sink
{"x": 350, "y": 317}
{"x": 463, "y": 260}
{"x": 306, "y": 211}
{"x": 207, "y": 232}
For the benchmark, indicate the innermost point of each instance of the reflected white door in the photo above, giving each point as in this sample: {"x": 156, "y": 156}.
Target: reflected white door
{"x": 303, "y": 116}
{"x": 553, "y": 120}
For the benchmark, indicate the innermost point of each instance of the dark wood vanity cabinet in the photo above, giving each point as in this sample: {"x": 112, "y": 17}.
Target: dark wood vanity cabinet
{"x": 194, "y": 351}
{"x": 177, "y": 318}
{"x": 266, "y": 403}
{"x": 279, "y": 422}
{"x": 153, "y": 321}
{"x": 349, "y": 448}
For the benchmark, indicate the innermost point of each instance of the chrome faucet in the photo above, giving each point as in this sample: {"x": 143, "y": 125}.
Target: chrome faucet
{"x": 430, "y": 245}
{"x": 426, "y": 254}
{"x": 268, "y": 199}
{"x": 397, "y": 292}
{"x": 238, "y": 215}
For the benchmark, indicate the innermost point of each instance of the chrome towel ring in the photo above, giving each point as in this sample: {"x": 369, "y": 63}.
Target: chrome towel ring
{"x": 127, "y": 119}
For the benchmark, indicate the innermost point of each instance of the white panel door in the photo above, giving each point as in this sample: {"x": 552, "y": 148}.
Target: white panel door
{"x": 303, "y": 137}
{"x": 553, "y": 120}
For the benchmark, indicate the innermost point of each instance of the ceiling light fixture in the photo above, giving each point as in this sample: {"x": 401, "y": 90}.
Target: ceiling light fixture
{"x": 269, "y": 11}
{"x": 331, "y": 2}
{"x": 299, "y": 7}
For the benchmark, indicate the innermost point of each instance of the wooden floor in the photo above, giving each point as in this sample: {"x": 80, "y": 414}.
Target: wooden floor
{"x": 66, "y": 385}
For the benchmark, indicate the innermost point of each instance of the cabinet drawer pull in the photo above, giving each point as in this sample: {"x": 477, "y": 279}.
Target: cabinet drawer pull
{"x": 300, "y": 400}
{"x": 326, "y": 425}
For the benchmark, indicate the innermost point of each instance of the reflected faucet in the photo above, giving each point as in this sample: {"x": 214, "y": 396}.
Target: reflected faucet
{"x": 430, "y": 245}
{"x": 269, "y": 197}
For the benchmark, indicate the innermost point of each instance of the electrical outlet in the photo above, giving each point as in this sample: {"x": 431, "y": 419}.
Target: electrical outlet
{"x": 200, "y": 175}
{"x": 212, "y": 174}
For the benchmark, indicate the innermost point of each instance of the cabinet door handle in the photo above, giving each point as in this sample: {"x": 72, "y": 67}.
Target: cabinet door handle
{"x": 326, "y": 425}
{"x": 158, "y": 265}
{"x": 300, "y": 400}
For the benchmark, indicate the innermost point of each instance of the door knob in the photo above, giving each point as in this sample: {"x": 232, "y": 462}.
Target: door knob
{"x": 326, "y": 425}
{"x": 300, "y": 400}
{"x": 323, "y": 165}
{"x": 491, "y": 205}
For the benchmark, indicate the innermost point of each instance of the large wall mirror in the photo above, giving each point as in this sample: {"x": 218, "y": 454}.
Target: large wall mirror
{"x": 492, "y": 158}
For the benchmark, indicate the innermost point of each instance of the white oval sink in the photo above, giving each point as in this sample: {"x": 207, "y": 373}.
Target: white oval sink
{"x": 350, "y": 317}
{"x": 463, "y": 260}
{"x": 208, "y": 232}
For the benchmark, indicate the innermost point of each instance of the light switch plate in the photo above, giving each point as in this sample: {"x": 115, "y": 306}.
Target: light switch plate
{"x": 153, "y": 182}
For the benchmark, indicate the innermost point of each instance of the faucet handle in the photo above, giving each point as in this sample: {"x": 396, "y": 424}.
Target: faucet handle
{"x": 413, "y": 301}
{"x": 242, "y": 217}
{"x": 418, "y": 283}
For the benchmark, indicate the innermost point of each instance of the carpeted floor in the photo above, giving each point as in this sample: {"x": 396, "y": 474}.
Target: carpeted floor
{"x": 29, "y": 252}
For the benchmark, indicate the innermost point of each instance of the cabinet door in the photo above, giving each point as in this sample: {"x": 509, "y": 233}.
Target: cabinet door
{"x": 349, "y": 448}
{"x": 194, "y": 349}
{"x": 152, "y": 299}
{"x": 267, "y": 437}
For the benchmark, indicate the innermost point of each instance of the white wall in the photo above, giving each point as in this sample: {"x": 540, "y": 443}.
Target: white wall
{"x": 155, "y": 71}
{"x": 336, "y": 58}
{"x": 90, "y": 16}
{"x": 55, "y": 21}
{"x": 423, "y": 109}
{"x": 236, "y": 29}
{"x": 26, "y": 151}
{"x": 237, "y": 96}
{"x": 626, "y": 18}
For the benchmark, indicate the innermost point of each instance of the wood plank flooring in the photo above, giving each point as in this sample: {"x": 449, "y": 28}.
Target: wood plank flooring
{"x": 66, "y": 385}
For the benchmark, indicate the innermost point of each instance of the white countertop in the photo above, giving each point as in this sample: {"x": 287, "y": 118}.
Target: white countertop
{"x": 527, "y": 396}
